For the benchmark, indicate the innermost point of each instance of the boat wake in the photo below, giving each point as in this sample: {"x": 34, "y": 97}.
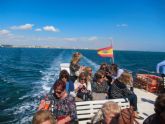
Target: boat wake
{"x": 93, "y": 65}
{"x": 24, "y": 112}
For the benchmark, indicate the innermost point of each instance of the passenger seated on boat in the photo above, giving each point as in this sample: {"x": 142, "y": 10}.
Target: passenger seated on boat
{"x": 64, "y": 76}
{"x": 43, "y": 117}
{"x": 159, "y": 116}
{"x": 109, "y": 114}
{"x": 75, "y": 68}
{"x": 103, "y": 67}
{"x": 99, "y": 86}
{"x": 62, "y": 105}
{"x": 128, "y": 80}
{"x": 115, "y": 71}
{"x": 82, "y": 91}
{"x": 89, "y": 77}
{"x": 118, "y": 89}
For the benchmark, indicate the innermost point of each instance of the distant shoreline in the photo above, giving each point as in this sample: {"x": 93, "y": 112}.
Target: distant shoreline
{"x": 73, "y": 48}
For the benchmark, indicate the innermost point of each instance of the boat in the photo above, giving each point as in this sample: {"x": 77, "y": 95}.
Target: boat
{"x": 86, "y": 109}
{"x": 149, "y": 82}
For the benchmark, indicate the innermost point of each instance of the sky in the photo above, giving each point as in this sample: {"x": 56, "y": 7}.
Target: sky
{"x": 137, "y": 25}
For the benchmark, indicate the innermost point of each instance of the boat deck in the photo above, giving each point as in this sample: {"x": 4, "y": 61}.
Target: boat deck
{"x": 145, "y": 103}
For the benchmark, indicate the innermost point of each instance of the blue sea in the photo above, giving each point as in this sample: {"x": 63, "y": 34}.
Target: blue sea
{"x": 27, "y": 74}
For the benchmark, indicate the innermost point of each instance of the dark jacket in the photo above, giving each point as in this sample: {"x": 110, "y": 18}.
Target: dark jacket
{"x": 153, "y": 119}
{"x": 118, "y": 90}
{"x": 74, "y": 68}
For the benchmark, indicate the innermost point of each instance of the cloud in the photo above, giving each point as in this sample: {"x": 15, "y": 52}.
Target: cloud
{"x": 71, "y": 39}
{"x": 121, "y": 25}
{"x": 22, "y": 27}
{"x": 93, "y": 38}
{"x": 38, "y": 30}
{"x": 51, "y": 29}
{"x": 4, "y": 32}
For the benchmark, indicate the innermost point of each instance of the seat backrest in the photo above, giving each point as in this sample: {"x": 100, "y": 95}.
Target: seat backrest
{"x": 65, "y": 66}
{"x": 87, "y": 109}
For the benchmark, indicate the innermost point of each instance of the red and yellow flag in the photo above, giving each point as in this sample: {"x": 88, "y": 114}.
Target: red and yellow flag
{"x": 105, "y": 52}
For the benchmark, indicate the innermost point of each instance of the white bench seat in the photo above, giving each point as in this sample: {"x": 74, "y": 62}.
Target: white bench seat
{"x": 87, "y": 109}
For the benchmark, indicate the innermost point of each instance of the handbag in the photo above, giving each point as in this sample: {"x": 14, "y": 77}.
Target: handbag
{"x": 127, "y": 116}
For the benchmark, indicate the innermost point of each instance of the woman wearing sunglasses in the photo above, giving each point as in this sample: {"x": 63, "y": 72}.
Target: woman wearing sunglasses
{"x": 82, "y": 91}
{"x": 62, "y": 105}
{"x": 100, "y": 86}
{"x": 64, "y": 76}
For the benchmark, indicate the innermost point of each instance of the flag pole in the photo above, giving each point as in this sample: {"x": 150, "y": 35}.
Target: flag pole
{"x": 113, "y": 53}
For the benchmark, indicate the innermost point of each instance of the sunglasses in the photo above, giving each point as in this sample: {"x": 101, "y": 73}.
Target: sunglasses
{"x": 101, "y": 77}
{"x": 58, "y": 92}
{"x": 81, "y": 79}
{"x": 64, "y": 77}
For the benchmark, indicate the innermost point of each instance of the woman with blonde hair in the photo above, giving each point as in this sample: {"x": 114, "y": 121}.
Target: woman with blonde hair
{"x": 109, "y": 114}
{"x": 43, "y": 117}
{"x": 82, "y": 91}
{"x": 75, "y": 68}
{"x": 118, "y": 89}
{"x": 89, "y": 77}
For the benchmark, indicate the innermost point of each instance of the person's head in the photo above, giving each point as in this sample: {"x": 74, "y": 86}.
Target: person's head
{"x": 103, "y": 66}
{"x": 111, "y": 112}
{"x": 82, "y": 78}
{"x": 100, "y": 76}
{"x": 113, "y": 69}
{"x": 59, "y": 88}
{"x": 76, "y": 57}
{"x": 126, "y": 78}
{"x": 160, "y": 106}
{"x": 88, "y": 70}
{"x": 64, "y": 76}
{"x": 43, "y": 117}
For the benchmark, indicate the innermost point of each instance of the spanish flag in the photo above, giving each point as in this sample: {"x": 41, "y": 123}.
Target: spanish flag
{"x": 106, "y": 52}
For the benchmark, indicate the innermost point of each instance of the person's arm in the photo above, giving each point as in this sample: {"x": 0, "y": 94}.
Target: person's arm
{"x": 76, "y": 86}
{"x": 65, "y": 120}
{"x": 42, "y": 104}
{"x": 89, "y": 86}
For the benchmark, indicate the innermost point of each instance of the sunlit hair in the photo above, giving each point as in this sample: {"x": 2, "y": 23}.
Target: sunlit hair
{"x": 160, "y": 104}
{"x": 42, "y": 116}
{"x": 103, "y": 66}
{"x": 113, "y": 68}
{"x": 87, "y": 70}
{"x": 110, "y": 108}
{"x": 126, "y": 78}
{"x": 99, "y": 74}
{"x": 76, "y": 57}
{"x": 64, "y": 73}
{"x": 59, "y": 84}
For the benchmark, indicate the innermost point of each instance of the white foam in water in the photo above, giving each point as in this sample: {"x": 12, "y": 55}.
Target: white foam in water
{"x": 25, "y": 110}
{"x": 23, "y": 97}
